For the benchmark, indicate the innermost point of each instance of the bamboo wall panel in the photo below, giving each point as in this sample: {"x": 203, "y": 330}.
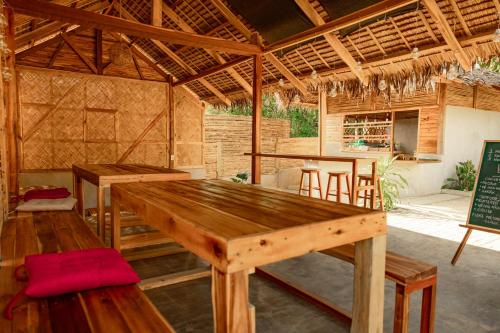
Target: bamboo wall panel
{"x": 459, "y": 95}
{"x": 69, "y": 118}
{"x": 429, "y": 133}
{"x": 227, "y": 138}
{"x": 479, "y": 97}
{"x": 297, "y": 146}
{"x": 488, "y": 99}
{"x": 189, "y": 115}
{"x": 342, "y": 104}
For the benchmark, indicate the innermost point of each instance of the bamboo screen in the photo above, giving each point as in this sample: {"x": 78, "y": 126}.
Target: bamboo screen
{"x": 68, "y": 118}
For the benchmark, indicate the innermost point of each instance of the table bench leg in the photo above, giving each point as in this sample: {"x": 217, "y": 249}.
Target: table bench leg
{"x": 115, "y": 224}
{"x": 428, "y": 309}
{"x": 232, "y": 312}
{"x": 401, "y": 309}
{"x": 101, "y": 213}
{"x": 78, "y": 194}
{"x": 369, "y": 277}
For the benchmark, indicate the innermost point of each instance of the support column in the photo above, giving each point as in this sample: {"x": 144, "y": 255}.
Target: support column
{"x": 322, "y": 112}
{"x": 10, "y": 97}
{"x": 171, "y": 124}
{"x": 256, "y": 118}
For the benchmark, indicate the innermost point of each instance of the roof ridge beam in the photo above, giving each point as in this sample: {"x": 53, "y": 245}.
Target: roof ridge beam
{"x": 52, "y": 11}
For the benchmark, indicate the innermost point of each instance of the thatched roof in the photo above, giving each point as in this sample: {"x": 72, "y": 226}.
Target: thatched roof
{"x": 382, "y": 45}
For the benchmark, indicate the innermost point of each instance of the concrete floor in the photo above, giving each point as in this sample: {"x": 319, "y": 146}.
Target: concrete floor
{"x": 468, "y": 294}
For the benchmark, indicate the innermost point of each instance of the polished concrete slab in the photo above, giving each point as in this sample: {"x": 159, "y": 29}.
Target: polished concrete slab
{"x": 468, "y": 294}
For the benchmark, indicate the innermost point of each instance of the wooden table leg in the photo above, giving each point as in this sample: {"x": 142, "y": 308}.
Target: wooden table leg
{"x": 369, "y": 277}
{"x": 232, "y": 312}
{"x": 428, "y": 309}
{"x": 78, "y": 194}
{"x": 354, "y": 194}
{"x": 401, "y": 309}
{"x": 115, "y": 223}
{"x": 101, "y": 212}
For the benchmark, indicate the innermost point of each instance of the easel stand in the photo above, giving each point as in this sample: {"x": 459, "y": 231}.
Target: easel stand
{"x": 466, "y": 238}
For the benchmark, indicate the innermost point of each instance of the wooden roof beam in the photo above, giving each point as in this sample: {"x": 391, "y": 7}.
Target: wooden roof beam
{"x": 79, "y": 53}
{"x": 156, "y": 13}
{"x": 400, "y": 33}
{"x": 460, "y": 17}
{"x": 187, "y": 28}
{"x": 240, "y": 26}
{"x": 66, "y": 14}
{"x": 447, "y": 32}
{"x": 331, "y": 39}
{"x": 171, "y": 54}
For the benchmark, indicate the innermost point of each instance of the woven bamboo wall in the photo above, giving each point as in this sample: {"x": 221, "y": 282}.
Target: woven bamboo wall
{"x": 227, "y": 138}
{"x": 189, "y": 118}
{"x": 71, "y": 118}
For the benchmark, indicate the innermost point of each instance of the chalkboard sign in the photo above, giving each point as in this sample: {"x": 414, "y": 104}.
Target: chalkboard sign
{"x": 485, "y": 208}
{"x": 484, "y": 212}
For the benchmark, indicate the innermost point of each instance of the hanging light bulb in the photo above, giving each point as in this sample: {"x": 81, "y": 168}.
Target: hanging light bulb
{"x": 6, "y": 74}
{"x": 281, "y": 83}
{"x": 477, "y": 65}
{"x": 358, "y": 66}
{"x": 333, "y": 92}
{"x": 382, "y": 85}
{"x": 496, "y": 36}
{"x": 296, "y": 98}
{"x": 415, "y": 53}
{"x": 452, "y": 72}
{"x": 314, "y": 74}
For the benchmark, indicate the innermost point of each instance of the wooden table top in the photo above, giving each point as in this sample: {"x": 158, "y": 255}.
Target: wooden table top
{"x": 236, "y": 226}
{"x": 312, "y": 157}
{"x": 105, "y": 174}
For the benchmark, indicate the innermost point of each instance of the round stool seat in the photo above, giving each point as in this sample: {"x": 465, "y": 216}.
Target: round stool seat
{"x": 339, "y": 173}
{"x": 308, "y": 170}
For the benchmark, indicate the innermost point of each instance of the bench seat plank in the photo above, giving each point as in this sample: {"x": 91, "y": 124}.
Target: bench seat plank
{"x": 112, "y": 309}
{"x": 398, "y": 268}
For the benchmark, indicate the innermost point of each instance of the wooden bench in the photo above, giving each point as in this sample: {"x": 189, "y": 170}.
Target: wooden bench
{"x": 409, "y": 275}
{"x": 112, "y": 309}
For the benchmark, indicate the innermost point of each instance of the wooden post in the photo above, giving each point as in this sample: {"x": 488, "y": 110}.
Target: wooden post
{"x": 171, "y": 123}
{"x": 98, "y": 52}
{"x": 10, "y": 94}
{"x": 232, "y": 313}
{"x": 101, "y": 213}
{"x": 369, "y": 276}
{"x": 256, "y": 118}
{"x": 156, "y": 13}
{"x": 115, "y": 222}
{"x": 322, "y": 112}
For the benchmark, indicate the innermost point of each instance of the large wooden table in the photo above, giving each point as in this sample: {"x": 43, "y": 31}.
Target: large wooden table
{"x": 237, "y": 227}
{"x": 103, "y": 175}
{"x": 354, "y": 168}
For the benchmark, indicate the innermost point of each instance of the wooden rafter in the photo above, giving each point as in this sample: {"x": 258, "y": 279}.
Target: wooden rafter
{"x": 447, "y": 32}
{"x": 56, "y": 52}
{"x": 171, "y": 54}
{"x": 240, "y": 26}
{"x": 319, "y": 56}
{"x": 364, "y": 14}
{"x": 460, "y": 17}
{"x": 400, "y": 33}
{"x": 98, "y": 51}
{"x": 375, "y": 39}
{"x": 334, "y": 42}
{"x": 136, "y": 64}
{"x": 428, "y": 26}
{"x": 360, "y": 54}
{"x": 79, "y": 53}
{"x": 66, "y": 14}
{"x": 186, "y": 27}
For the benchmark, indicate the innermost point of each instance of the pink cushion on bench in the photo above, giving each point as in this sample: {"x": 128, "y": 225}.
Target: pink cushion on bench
{"x": 49, "y": 193}
{"x": 55, "y": 274}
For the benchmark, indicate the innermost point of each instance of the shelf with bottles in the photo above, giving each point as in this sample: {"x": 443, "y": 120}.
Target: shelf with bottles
{"x": 367, "y": 132}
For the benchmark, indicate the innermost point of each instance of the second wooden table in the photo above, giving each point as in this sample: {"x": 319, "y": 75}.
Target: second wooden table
{"x": 103, "y": 175}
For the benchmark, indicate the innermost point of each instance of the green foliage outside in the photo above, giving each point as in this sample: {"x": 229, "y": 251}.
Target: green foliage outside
{"x": 241, "y": 178}
{"x": 303, "y": 121}
{"x": 465, "y": 177}
{"x": 392, "y": 182}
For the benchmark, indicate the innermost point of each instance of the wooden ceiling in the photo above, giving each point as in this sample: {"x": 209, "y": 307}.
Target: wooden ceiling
{"x": 444, "y": 30}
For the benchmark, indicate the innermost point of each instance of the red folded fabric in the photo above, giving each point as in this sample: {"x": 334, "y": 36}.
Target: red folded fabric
{"x": 55, "y": 274}
{"x": 51, "y": 193}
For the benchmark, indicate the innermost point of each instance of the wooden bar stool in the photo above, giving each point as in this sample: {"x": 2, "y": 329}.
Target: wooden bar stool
{"x": 310, "y": 188}
{"x": 366, "y": 183}
{"x": 338, "y": 178}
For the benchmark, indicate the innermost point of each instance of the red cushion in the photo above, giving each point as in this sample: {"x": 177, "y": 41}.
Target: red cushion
{"x": 54, "y": 274}
{"x": 50, "y": 193}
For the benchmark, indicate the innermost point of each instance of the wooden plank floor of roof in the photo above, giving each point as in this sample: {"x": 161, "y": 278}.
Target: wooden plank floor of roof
{"x": 112, "y": 309}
